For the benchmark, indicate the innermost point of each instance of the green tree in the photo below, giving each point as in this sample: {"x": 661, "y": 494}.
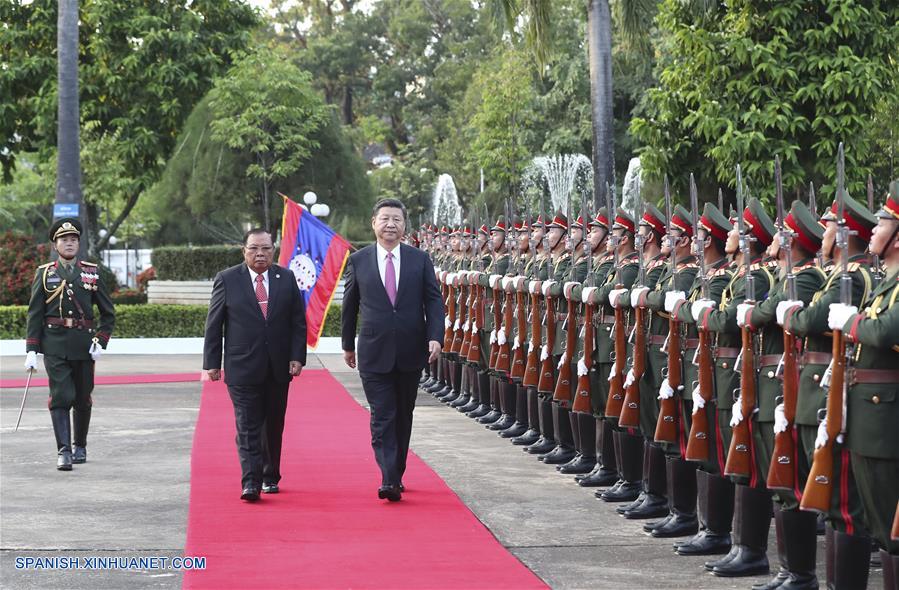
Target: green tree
{"x": 745, "y": 81}
{"x": 266, "y": 107}
{"x": 142, "y": 67}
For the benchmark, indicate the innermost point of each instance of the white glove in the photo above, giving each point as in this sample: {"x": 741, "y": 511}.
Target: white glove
{"x": 671, "y": 299}
{"x": 501, "y": 336}
{"x": 544, "y": 353}
{"x": 456, "y": 325}
{"x": 699, "y": 306}
{"x": 466, "y": 325}
{"x": 546, "y": 287}
{"x": 636, "y": 294}
{"x": 493, "y": 280}
{"x": 629, "y": 379}
{"x": 31, "y": 361}
{"x": 614, "y": 295}
{"x": 784, "y": 306}
{"x": 534, "y": 287}
{"x": 698, "y": 401}
{"x": 822, "y": 438}
{"x": 737, "y": 414}
{"x": 492, "y": 336}
{"x": 582, "y": 367}
{"x": 507, "y": 282}
{"x": 519, "y": 282}
{"x": 588, "y": 293}
{"x": 562, "y": 360}
{"x": 780, "y": 419}
{"x": 516, "y": 345}
{"x": 665, "y": 391}
{"x": 474, "y": 327}
{"x": 95, "y": 350}
{"x": 742, "y": 310}
{"x": 614, "y": 372}
{"x": 530, "y": 347}
{"x": 839, "y": 314}
{"x": 447, "y": 322}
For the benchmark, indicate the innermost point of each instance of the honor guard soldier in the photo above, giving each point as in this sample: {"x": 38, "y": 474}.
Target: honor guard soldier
{"x": 796, "y": 530}
{"x": 61, "y": 325}
{"x": 493, "y": 274}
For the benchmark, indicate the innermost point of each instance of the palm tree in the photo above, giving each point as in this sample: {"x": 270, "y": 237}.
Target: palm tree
{"x": 633, "y": 16}
{"x": 68, "y": 177}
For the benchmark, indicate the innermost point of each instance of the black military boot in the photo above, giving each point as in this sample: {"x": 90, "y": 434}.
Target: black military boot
{"x": 606, "y": 471}
{"x": 655, "y": 503}
{"x": 532, "y": 434}
{"x": 465, "y": 394}
{"x": 852, "y": 560}
{"x": 800, "y": 534}
{"x": 455, "y": 379}
{"x": 716, "y": 513}
{"x": 62, "y": 429}
{"x": 585, "y": 427}
{"x": 630, "y": 469}
{"x": 473, "y": 393}
{"x": 681, "y": 500}
{"x": 81, "y": 421}
{"x": 547, "y": 440}
{"x": 564, "y": 451}
{"x": 749, "y": 551}
{"x": 483, "y": 396}
{"x": 494, "y": 413}
{"x": 783, "y": 572}
{"x": 508, "y": 397}
{"x": 520, "y": 426}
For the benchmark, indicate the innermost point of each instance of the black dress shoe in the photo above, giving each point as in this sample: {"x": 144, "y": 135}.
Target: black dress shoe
{"x": 481, "y": 410}
{"x": 517, "y": 429}
{"x": 505, "y": 421}
{"x": 461, "y": 401}
{"x": 746, "y": 562}
{"x": 270, "y": 488}
{"x": 469, "y": 407}
{"x": 704, "y": 543}
{"x": 631, "y": 505}
{"x": 618, "y": 483}
{"x": 437, "y": 386}
{"x": 626, "y": 492}
{"x": 527, "y": 439}
{"x": 490, "y": 417}
{"x": 581, "y": 465}
{"x": 682, "y": 525}
{"x": 79, "y": 454}
{"x": 651, "y": 526}
{"x": 402, "y": 487}
{"x": 391, "y": 493}
{"x": 711, "y": 565}
{"x": 250, "y": 494}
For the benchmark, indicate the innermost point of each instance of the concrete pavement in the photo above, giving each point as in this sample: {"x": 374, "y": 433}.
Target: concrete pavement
{"x": 131, "y": 498}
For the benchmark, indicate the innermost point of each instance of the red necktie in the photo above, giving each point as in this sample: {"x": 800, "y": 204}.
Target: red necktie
{"x": 261, "y": 296}
{"x": 390, "y": 279}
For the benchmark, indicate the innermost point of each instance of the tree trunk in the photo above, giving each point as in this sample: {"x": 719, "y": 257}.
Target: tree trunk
{"x": 348, "y": 105}
{"x": 599, "y": 42}
{"x": 68, "y": 176}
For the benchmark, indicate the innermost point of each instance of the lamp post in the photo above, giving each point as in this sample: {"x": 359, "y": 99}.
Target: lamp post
{"x": 316, "y": 208}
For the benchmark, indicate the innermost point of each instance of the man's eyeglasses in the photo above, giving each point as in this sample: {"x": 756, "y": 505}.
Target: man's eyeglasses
{"x": 265, "y": 249}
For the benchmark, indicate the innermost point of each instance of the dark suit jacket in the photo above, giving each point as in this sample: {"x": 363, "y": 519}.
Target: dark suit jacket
{"x": 391, "y": 337}
{"x": 251, "y": 341}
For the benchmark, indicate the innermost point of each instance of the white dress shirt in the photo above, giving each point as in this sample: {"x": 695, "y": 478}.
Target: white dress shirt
{"x": 253, "y": 275}
{"x": 382, "y": 263}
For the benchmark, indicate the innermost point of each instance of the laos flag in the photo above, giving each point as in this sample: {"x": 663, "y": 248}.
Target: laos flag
{"x": 316, "y": 255}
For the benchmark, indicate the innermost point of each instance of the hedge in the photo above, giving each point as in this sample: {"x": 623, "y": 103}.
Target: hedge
{"x": 146, "y": 321}
{"x": 182, "y": 263}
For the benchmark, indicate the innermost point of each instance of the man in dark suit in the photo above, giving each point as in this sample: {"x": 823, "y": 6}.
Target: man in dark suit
{"x": 259, "y": 308}
{"x": 394, "y": 286}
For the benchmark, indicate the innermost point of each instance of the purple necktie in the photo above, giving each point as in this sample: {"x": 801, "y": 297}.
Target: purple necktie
{"x": 390, "y": 279}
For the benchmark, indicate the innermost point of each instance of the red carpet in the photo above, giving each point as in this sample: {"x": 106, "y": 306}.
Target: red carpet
{"x": 327, "y": 529}
{"x": 110, "y": 380}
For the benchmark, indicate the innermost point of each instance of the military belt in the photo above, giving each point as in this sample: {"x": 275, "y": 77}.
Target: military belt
{"x": 815, "y": 358}
{"x": 657, "y": 339}
{"x": 769, "y": 359}
{"x": 691, "y": 342}
{"x": 727, "y": 353}
{"x": 70, "y": 323}
{"x": 875, "y": 376}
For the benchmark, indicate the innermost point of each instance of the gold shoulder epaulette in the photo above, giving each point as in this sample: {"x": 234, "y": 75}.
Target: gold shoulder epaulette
{"x": 853, "y": 266}
{"x": 86, "y": 263}
{"x": 46, "y": 265}
{"x": 685, "y": 265}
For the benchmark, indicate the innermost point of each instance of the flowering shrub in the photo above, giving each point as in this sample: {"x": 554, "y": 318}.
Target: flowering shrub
{"x": 19, "y": 258}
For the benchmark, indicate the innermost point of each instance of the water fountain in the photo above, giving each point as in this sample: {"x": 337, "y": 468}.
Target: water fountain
{"x": 629, "y": 190}
{"x": 559, "y": 175}
{"x": 445, "y": 206}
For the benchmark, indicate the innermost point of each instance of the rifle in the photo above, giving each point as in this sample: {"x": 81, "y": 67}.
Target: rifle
{"x": 476, "y": 315}
{"x": 496, "y": 307}
{"x": 875, "y": 258}
{"x": 519, "y": 352}
{"x": 783, "y": 473}
{"x": 720, "y": 201}
{"x": 739, "y": 457}
{"x": 469, "y": 287}
{"x": 619, "y": 335}
{"x": 818, "y": 486}
{"x": 667, "y": 424}
{"x": 504, "y": 357}
{"x": 813, "y": 207}
{"x": 630, "y": 410}
{"x": 545, "y": 383}
{"x": 532, "y": 366}
{"x": 698, "y": 440}
{"x": 582, "y": 389}
{"x": 563, "y": 390}
{"x": 461, "y": 311}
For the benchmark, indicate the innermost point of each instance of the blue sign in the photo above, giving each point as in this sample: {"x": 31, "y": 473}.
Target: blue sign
{"x": 65, "y": 210}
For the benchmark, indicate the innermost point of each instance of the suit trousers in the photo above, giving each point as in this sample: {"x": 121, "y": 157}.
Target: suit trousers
{"x": 259, "y": 415}
{"x": 71, "y": 382}
{"x": 391, "y": 397}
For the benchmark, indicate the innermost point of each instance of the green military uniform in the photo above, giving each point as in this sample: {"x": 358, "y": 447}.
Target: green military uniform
{"x": 62, "y": 326}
